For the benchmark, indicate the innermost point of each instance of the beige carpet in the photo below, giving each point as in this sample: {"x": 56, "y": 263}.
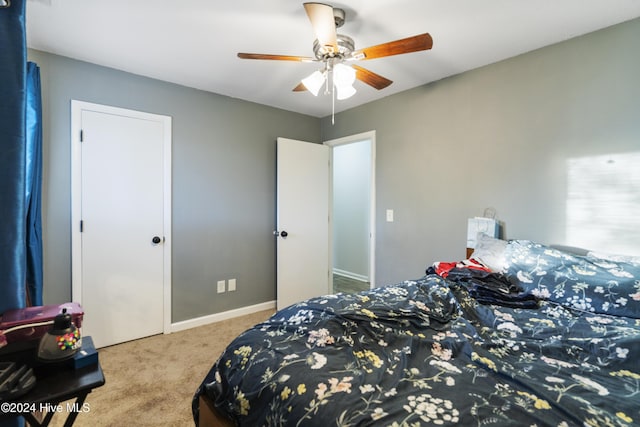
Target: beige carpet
{"x": 151, "y": 381}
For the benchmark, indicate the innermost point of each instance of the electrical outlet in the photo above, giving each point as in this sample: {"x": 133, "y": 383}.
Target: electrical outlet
{"x": 232, "y": 285}
{"x": 389, "y": 215}
{"x": 221, "y": 286}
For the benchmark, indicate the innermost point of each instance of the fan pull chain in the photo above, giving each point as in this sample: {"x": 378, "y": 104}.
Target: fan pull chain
{"x": 333, "y": 97}
{"x": 333, "y": 105}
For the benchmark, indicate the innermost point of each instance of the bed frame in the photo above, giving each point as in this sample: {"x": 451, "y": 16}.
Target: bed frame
{"x": 209, "y": 415}
{"x": 442, "y": 297}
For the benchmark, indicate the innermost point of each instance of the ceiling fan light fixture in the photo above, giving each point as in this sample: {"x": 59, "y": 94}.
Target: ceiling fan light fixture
{"x": 345, "y": 92}
{"x": 314, "y": 82}
{"x": 343, "y": 75}
{"x": 333, "y": 50}
{"x": 343, "y": 79}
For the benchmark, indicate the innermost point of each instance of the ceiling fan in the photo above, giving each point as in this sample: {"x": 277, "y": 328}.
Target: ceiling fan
{"x": 335, "y": 51}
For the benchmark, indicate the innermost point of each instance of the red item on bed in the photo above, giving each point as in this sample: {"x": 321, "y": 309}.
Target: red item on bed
{"x": 443, "y": 268}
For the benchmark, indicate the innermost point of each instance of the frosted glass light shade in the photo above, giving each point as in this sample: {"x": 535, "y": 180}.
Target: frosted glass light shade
{"x": 314, "y": 82}
{"x": 343, "y": 79}
{"x": 345, "y": 92}
{"x": 343, "y": 75}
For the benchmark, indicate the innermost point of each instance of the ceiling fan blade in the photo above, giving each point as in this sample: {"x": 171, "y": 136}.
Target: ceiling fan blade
{"x": 372, "y": 79}
{"x": 275, "y": 57}
{"x": 324, "y": 25}
{"x": 300, "y": 88}
{"x": 398, "y": 47}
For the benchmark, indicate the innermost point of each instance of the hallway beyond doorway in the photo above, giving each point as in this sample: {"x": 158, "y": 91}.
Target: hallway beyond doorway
{"x": 348, "y": 285}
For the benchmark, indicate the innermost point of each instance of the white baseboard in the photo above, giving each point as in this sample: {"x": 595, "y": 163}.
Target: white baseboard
{"x": 351, "y": 275}
{"x": 217, "y": 317}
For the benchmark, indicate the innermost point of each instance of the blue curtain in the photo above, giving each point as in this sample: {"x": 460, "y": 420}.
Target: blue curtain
{"x": 20, "y": 170}
{"x": 21, "y": 166}
{"x": 13, "y": 65}
{"x": 33, "y": 187}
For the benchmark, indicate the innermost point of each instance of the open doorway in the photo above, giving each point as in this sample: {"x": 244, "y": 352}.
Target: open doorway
{"x": 353, "y": 207}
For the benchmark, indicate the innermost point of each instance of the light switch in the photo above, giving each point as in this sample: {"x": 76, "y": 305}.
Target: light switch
{"x": 221, "y": 286}
{"x": 389, "y": 215}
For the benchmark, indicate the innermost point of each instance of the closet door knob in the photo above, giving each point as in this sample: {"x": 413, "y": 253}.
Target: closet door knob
{"x": 156, "y": 240}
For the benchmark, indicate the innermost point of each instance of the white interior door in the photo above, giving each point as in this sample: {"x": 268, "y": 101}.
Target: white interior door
{"x": 122, "y": 235}
{"x": 303, "y": 222}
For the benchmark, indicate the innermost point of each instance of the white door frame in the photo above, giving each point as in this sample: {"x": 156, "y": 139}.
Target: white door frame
{"x": 371, "y": 136}
{"x": 76, "y": 200}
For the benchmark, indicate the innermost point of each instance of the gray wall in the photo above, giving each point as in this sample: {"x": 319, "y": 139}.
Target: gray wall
{"x": 224, "y": 156}
{"x": 500, "y": 136}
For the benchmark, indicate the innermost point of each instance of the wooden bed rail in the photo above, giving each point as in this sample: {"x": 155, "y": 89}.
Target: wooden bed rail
{"x": 209, "y": 415}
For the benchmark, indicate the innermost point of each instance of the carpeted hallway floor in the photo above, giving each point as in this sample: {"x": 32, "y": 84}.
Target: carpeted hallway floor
{"x": 151, "y": 381}
{"x": 348, "y": 285}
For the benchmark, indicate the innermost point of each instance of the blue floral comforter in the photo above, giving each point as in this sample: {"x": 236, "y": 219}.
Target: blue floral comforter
{"x": 424, "y": 352}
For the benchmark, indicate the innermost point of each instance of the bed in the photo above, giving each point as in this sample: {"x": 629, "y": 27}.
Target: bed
{"x": 521, "y": 334}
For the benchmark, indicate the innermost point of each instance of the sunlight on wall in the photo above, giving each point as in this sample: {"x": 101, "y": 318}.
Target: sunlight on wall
{"x": 603, "y": 203}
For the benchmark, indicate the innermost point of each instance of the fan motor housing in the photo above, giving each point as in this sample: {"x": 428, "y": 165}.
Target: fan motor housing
{"x": 338, "y": 17}
{"x": 345, "y": 47}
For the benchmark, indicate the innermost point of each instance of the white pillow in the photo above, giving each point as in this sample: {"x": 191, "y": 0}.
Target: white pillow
{"x": 490, "y": 251}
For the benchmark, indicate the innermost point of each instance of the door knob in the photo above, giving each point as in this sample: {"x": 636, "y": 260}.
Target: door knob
{"x": 156, "y": 240}
{"x": 280, "y": 233}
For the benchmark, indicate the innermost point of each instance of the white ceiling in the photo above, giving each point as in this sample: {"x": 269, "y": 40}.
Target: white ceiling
{"x": 194, "y": 42}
